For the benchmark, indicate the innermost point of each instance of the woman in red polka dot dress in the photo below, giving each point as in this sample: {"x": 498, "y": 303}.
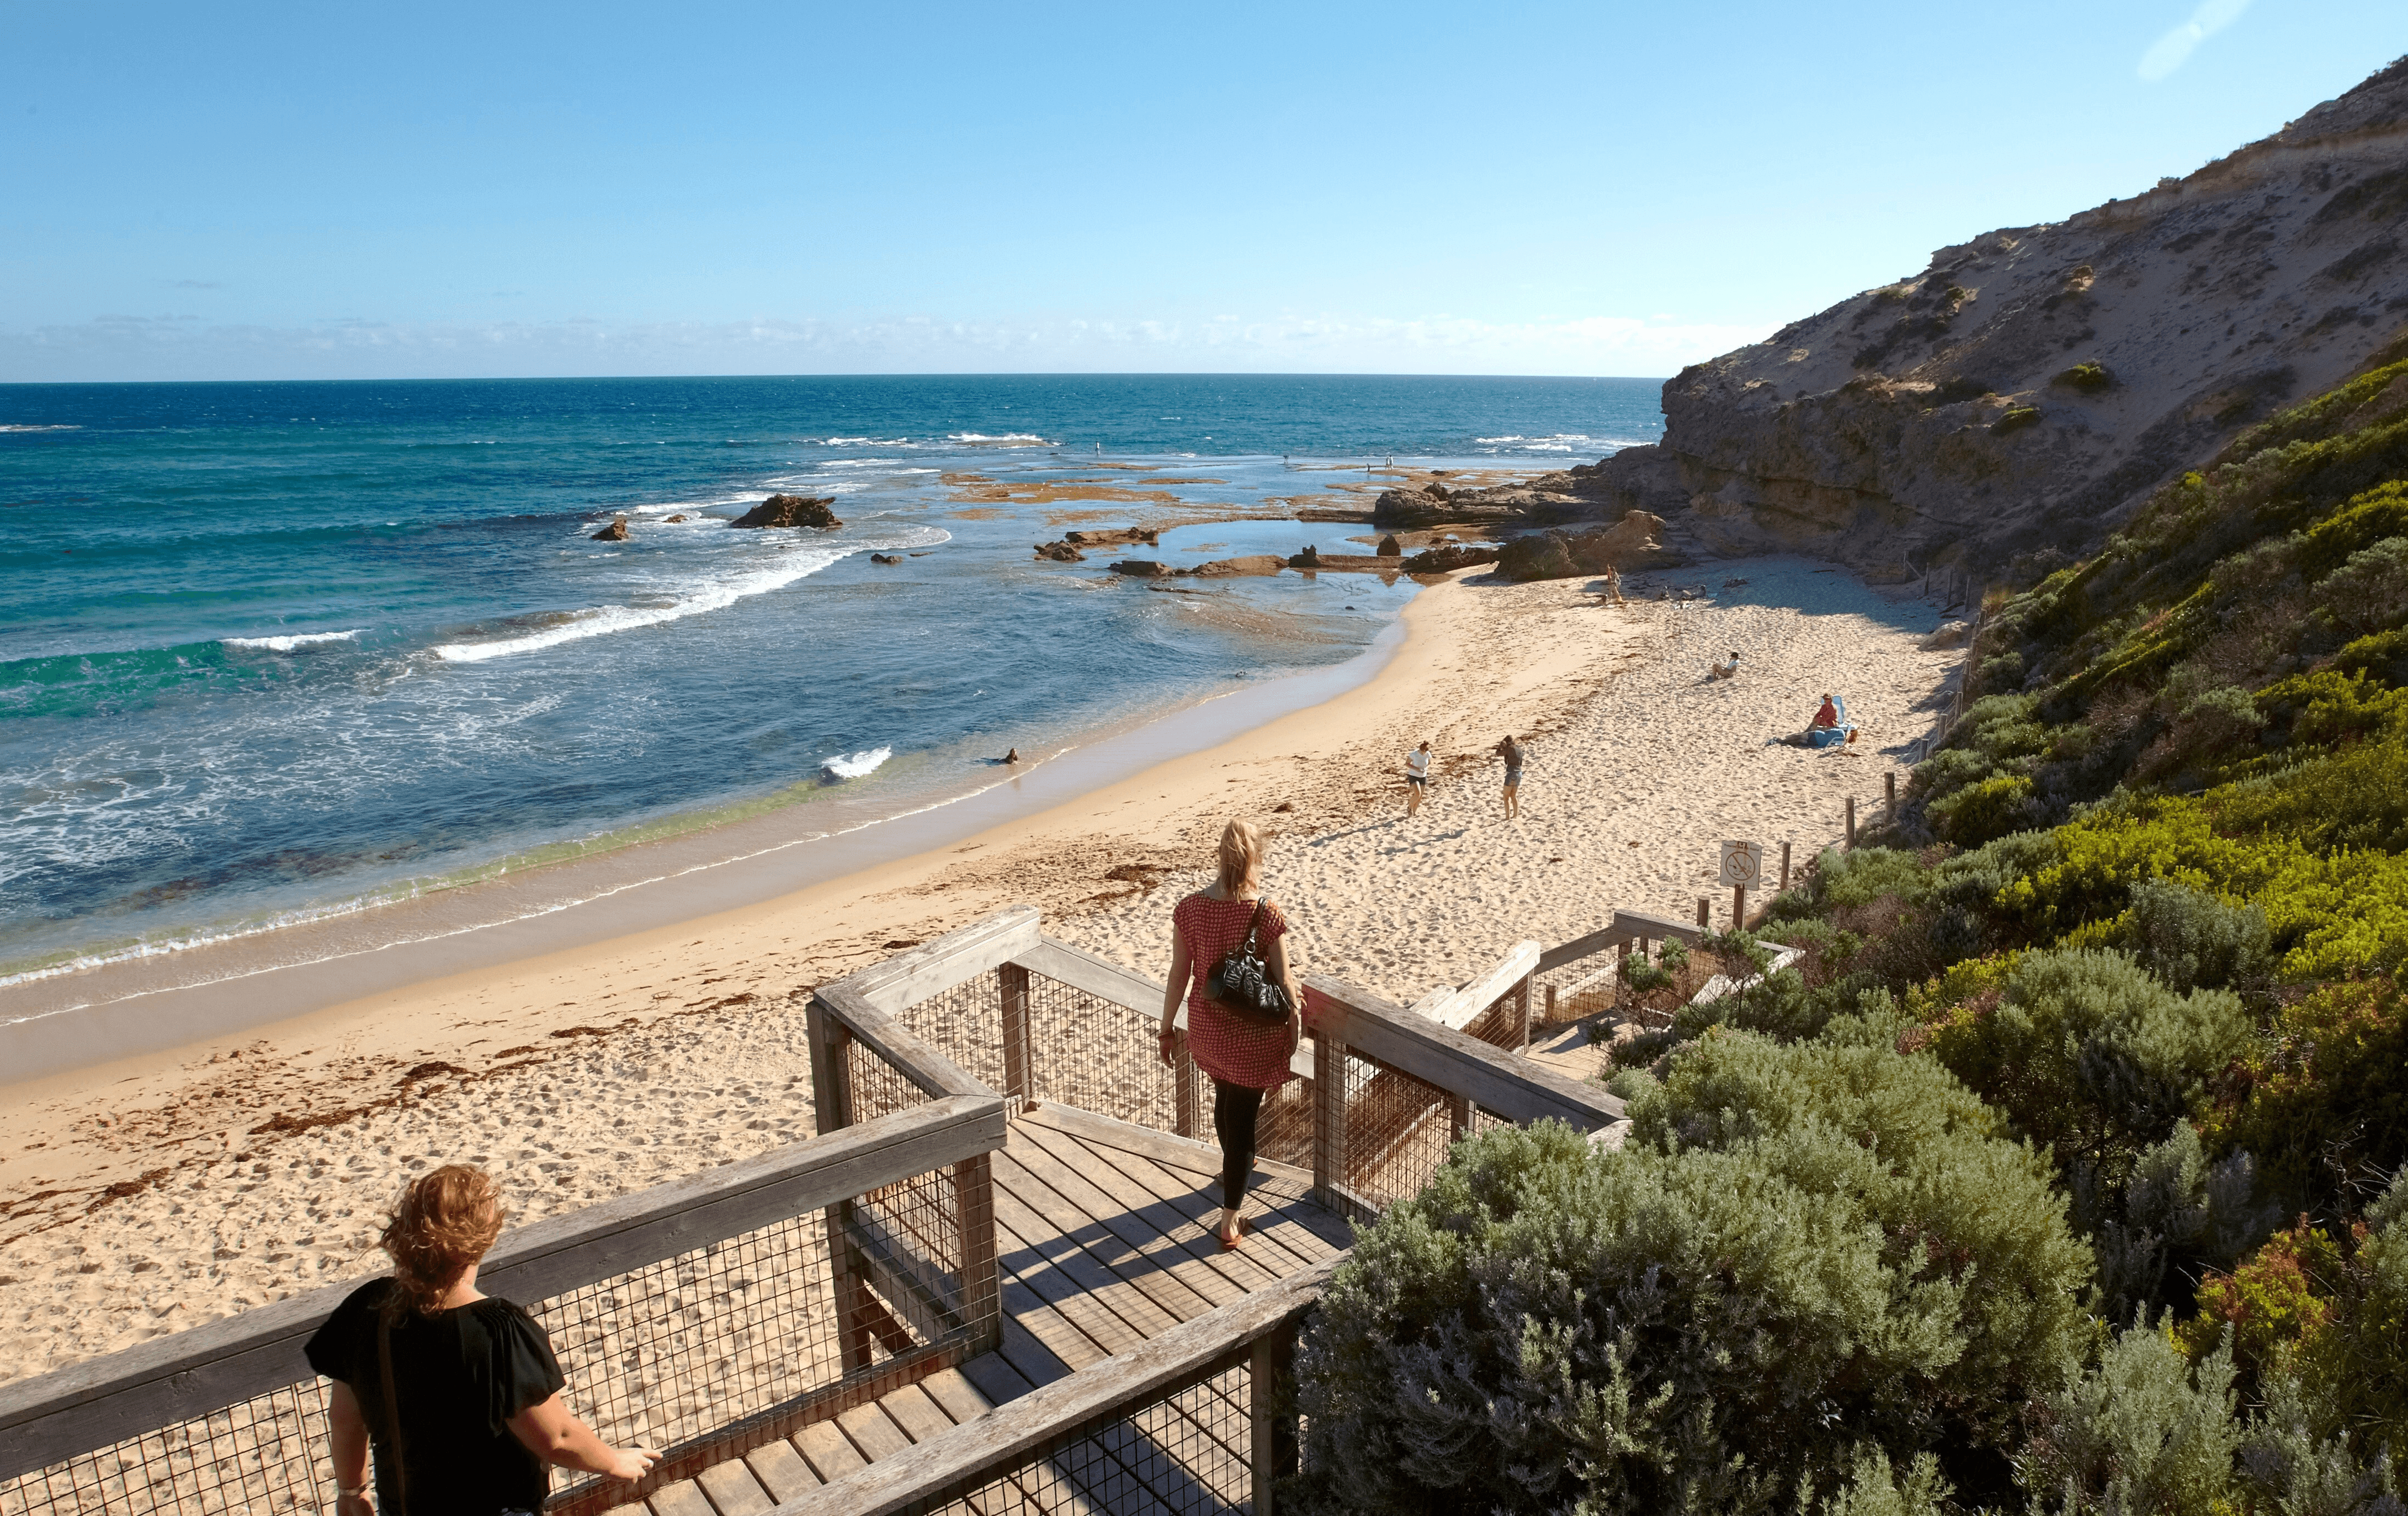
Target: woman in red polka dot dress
{"x": 1245, "y": 1059}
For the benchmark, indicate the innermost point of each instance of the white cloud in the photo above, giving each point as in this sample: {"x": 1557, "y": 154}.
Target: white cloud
{"x": 2172, "y": 50}
{"x": 134, "y": 347}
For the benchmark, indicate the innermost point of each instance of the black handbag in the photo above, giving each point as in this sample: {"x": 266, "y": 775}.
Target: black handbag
{"x": 1241, "y": 983}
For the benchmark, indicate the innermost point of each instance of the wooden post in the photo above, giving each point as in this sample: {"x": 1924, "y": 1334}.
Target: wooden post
{"x": 981, "y": 1302}
{"x": 1851, "y": 821}
{"x": 1182, "y": 1070}
{"x": 1522, "y": 1016}
{"x": 1889, "y": 797}
{"x": 1273, "y": 1451}
{"x": 1551, "y": 1005}
{"x": 1019, "y": 1070}
{"x": 1328, "y": 1122}
{"x": 1622, "y": 971}
{"x": 1459, "y": 1117}
{"x": 1738, "y": 906}
{"x": 1706, "y": 911}
{"x": 832, "y": 1097}
{"x": 831, "y": 1072}
{"x": 1784, "y": 866}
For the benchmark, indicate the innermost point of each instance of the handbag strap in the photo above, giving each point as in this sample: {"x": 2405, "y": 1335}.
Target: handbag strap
{"x": 1254, "y": 922}
{"x": 392, "y": 1412}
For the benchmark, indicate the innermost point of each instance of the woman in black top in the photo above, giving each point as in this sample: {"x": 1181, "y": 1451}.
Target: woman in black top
{"x": 472, "y": 1377}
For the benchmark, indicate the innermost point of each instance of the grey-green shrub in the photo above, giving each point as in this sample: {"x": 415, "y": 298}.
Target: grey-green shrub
{"x": 2175, "y": 1217}
{"x": 1697, "y": 1323}
{"x": 2368, "y": 593}
{"x": 2094, "y": 1057}
{"x": 2143, "y": 1432}
{"x": 2191, "y": 940}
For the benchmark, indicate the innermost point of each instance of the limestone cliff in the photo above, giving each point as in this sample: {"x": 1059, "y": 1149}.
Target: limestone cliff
{"x": 2024, "y": 392}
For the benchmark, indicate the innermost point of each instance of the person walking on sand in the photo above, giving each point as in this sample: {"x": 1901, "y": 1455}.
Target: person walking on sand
{"x": 1512, "y": 753}
{"x": 1418, "y": 764}
{"x": 1246, "y": 1058}
{"x": 457, "y": 1391}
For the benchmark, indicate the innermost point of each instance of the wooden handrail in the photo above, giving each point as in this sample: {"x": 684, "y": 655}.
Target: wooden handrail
{"x": 53, "y": 1417}
{"x": 1512, "y": 1087}
{"x": 939, "y": 965}
{"x": 999, "y": 1439}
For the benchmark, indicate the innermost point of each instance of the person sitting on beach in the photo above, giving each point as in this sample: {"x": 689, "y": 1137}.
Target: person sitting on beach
{"x": 1727, "y": 669}
{"x": 1512, "y": 753}
{"x": 1418, "y": 764}
{"x": 456, "y": 1390}
{"x": 1828, "y": 716}
{"x": 1246, "y": 1060}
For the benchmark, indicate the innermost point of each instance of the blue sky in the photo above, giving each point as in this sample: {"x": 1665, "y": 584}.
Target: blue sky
{"x": 247, "y": 191}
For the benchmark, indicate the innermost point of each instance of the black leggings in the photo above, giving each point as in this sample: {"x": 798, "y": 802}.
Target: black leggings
{"x": 1234, "y": 1107}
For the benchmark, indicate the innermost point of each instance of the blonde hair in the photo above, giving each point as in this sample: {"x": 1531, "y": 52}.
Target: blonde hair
{"x": 442, "y": 1223}
{"x": 1241, "y": 859}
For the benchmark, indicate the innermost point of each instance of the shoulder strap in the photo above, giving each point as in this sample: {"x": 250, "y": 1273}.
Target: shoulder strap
{"x": 392, "y": 1412}
{"x": 1254, "y": 922}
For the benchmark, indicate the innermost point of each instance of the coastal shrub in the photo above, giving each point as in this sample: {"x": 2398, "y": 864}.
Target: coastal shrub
{"x": 1981, "y": 813}
{"x": 2089, "y": 377}
{"x": 2324, "y": 1102}
{"x": 1728, "y": 1324}
{"x": 1873, "y": 1488}
{"x": 2092, "y": 1057}
{"x": 2176, "y": 1218}
{"x": 2365, "y": 519}
{"x": 2272, "y": 1308}
{"x": 2191, "y": 940}
{"x": 2383, "y": 657}
{"x": 2146, "y": 1430}
{"x": 2368, "y": 593}
{"x": 2017, "y": 418}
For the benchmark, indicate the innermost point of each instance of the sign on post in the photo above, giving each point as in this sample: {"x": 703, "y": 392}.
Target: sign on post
{"x": 1742, "y": 864}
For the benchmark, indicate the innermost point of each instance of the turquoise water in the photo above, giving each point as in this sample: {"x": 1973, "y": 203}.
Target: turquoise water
{"x": 271, "y": 651}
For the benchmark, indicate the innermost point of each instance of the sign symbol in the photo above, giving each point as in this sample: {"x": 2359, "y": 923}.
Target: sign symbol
{"x": 1742, "y": 864}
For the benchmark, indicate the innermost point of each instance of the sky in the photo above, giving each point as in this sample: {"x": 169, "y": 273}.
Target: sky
{"x": 242, "y": 191}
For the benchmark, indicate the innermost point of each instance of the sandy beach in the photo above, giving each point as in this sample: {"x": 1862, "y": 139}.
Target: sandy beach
{"x": 149, "y": 1196}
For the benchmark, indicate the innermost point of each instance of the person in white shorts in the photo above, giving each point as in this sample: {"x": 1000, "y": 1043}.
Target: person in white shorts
{"x": 1417, "y": 777}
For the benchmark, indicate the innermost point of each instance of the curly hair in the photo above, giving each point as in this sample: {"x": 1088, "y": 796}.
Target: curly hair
{"x": 442, "y": 1223}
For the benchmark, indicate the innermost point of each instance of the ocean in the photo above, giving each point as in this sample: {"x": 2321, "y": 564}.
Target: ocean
{"x": 280, "y": 653}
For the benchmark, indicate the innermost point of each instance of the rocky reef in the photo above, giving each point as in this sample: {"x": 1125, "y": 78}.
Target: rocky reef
{"x": 792, "y": 511}
{"x": 2009, "y": 407}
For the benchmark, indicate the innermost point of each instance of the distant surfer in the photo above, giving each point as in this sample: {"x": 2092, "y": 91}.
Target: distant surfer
{"x": 1012, "y": 757}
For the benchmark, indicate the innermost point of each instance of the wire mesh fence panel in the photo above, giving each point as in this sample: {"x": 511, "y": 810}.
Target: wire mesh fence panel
{"x": 1583, "y": 988}
{"x": 265, "y": 1454}
{"x": 878, "y": 1088}
{"x": 1099, "y": 1056}
{"x": 666, "y": 1354}
{"x": 1398, "y": 1130}
{"x": 965, "y": 1024}
{"x": 1499, "y": 1023}
{"x": 1184, "y": 1451}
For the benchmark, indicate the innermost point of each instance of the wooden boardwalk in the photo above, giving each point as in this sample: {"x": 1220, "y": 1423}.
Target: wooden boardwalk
{"x": 1103, "y": 1236}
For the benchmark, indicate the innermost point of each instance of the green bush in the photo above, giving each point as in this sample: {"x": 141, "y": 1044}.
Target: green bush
{"x": 1683, "y": 1326}
{"x": 2016, "y": 419}
{"x": 2192, "y": 940}
{"x": 2326, "y": 1094}
{"x": 2368, "y": 593}
{"x": 2145, "y": 1430}
{"x": 2089, "y": 377}
{"x": 1985, "y": 812}
{"x": 2177, "y": 1216}
{"x": 2092, "y": 1057}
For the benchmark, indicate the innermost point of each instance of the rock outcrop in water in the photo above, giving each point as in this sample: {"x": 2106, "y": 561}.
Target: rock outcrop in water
{"x": 2023, "y": 393}
{"x": 615, "y": 532}
{"x": 792, "y": 511}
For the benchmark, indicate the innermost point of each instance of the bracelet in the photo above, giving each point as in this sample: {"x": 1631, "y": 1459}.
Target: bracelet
{"x": 351, "y": 1489}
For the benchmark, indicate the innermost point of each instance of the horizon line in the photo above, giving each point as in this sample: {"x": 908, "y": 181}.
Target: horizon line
{"x": 915, "y": 373}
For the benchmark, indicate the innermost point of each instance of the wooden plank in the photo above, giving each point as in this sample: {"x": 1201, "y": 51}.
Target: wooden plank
{"x": 831, "y": 1454}
{"x": 1026, "y": 1354}
{"x": 1069, "y": 1257}
{"x": 1198, "y": 1213}
{"x": 920, "y": 1416}
{"x": 869, "y": 1429}
{"x": 1154, "y": 1230}
{"x": 936, "y": 966}
{"x": 1504, "y": 1082}
{"x": 733, "y": 1489}
{"x": 684, "y": 1498}
{"x": 1184, "y": 1154}
{"x": 1067, "y": 1290}
{"x": 1011, "y": 1431}
{"x": 781, "y": 1470}
{"x": 1097, "y": 1221}
{"x": 53, "y": 1417}
{"x": 956, "y": 1395}
{"x": 994, "y": 1377}
{"x": 935, "y": 1074}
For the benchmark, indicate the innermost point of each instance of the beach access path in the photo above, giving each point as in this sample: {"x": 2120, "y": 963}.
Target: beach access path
{"x": 144, "y": 1197}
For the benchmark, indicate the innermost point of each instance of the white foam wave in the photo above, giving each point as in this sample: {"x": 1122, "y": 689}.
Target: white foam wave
{"x": 20, "y": 427}
{"x": 853, "y": 765}
{"x": 602, "y": 621}
{"x": 1006, "y": 439}
{"x": 1560, "y": 442}
{"x": 864, "y": 441}
{"x": 298, "y": 639}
